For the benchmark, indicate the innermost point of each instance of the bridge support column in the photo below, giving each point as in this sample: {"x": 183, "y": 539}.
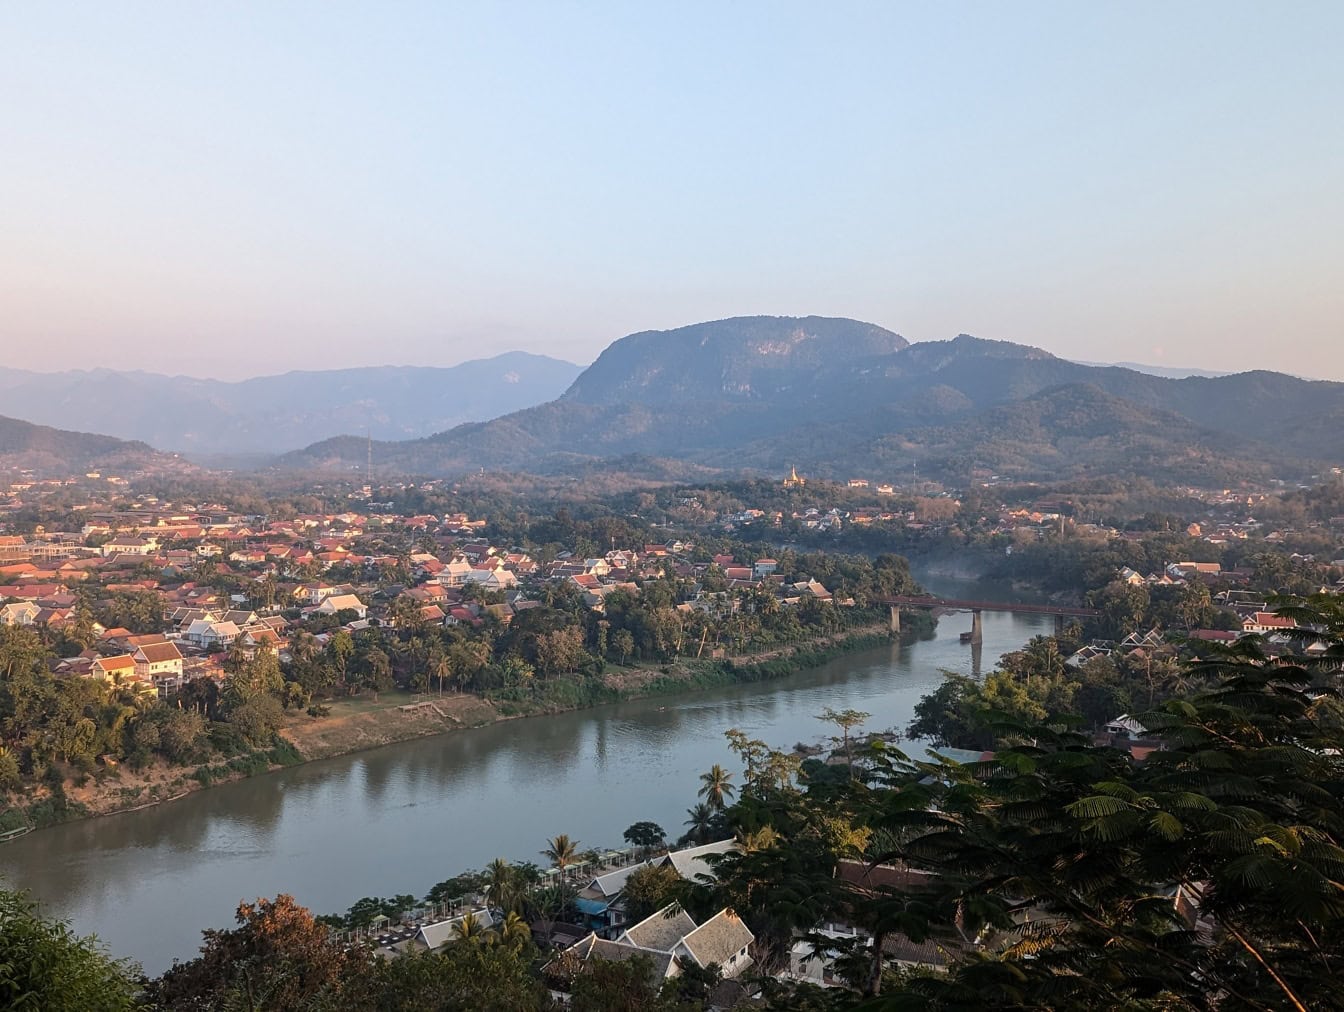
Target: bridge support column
{"x": 896, "y": 619}
{"x": 977, "y": 629}
{"x": 1059, "y": 625}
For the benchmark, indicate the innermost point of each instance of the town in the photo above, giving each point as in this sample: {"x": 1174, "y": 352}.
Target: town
{"x": 175, "y": 642}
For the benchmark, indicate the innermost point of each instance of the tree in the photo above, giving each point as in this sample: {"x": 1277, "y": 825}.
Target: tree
{"x": 648, "y": 889}
{"x": 9, "y": 770}
{"x": 645, "y": 835}
{"x": 180, "y": 735}
{"x": 1240, "y": 808}
{"x": 278, "y": 957}
{"x": 716, "y": 787}
{"x": 846, "y": 721}
{"x": 456, "y": 978}
{"x": 623, "y": 643}
{"x": 258, "y": 719}
{"x": 514, "y": 930}
{"x": 469, "y": 929}
{"x": 340, "y": 648}
{"x": 377, "y": 671}
{"x": 700, "y": 823}
{"x": 45, "y": 968}
{"x": 503, "y": 890}
{"x": 441, "y": 666}
{"x": 946, "y": 716}
{"x": 1123, "y": 607}
{"x": 562, "y": 852}
{"x": 628, "y": 985}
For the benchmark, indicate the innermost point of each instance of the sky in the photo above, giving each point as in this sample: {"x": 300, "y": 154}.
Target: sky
{"x": 239, "y": 189}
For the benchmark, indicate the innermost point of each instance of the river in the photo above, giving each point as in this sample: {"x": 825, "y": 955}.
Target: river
{"x": 399, "y": 818}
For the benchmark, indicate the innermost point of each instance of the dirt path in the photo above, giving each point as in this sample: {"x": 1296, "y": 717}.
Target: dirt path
{"x": 321, "y": 737}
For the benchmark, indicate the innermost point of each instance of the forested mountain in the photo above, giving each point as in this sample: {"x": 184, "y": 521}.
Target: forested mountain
{"x": 57, "y": 451}
{"x": 753, "y": 358}
{"x": 836, "y": 397}
{"x": 272, "y": 414}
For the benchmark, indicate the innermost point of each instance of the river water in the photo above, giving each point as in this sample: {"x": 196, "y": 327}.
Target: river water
{"x": 399, "y": 818}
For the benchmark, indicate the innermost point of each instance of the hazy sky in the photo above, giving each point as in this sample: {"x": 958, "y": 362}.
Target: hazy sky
{"x": 232, "y": 189}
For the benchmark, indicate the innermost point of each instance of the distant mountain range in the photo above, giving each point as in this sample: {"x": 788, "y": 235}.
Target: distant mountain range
{"x": 1169, "y": 371}
{"x": 272, "y": 414}
{"x": 57, "y": 452}
{"x": 838, "y": 397}
{"x": 834, "y": 397}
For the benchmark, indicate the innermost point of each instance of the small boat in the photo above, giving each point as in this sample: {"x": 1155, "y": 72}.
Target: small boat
{"x": 966, "y": 637}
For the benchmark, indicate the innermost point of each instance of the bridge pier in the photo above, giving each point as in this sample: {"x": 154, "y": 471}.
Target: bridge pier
{"x": 1059, "y": 625}
{"x": 896, "y": 619}
{"x": 977, "y": 629}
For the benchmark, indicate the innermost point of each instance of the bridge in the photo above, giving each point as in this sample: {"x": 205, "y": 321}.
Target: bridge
{"x": 1059, "y": 611}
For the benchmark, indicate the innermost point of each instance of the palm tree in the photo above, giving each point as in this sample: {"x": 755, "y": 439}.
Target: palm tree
{"x": 701, "y": 821}
{"x": 442, "y": 667}
{"x": 562, "y": 851}
{"x": 763, "y": 839}
{"x": 718, "y": 788}
{"x": 514, "y": 930}
{"x": 468, "y": 929}
{"x": 501, "y": 892}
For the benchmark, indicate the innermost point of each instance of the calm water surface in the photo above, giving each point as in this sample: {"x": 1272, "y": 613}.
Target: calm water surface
{"x": 400, "y": 818}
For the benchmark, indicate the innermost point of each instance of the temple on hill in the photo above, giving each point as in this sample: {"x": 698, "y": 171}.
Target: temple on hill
{"x": 793, "y": 481}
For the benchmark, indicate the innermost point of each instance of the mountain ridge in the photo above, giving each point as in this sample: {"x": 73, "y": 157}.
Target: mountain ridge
{"x": 872, "y": 402}
{"x": 273, "y": 413}
{"x": 58, "y": 452}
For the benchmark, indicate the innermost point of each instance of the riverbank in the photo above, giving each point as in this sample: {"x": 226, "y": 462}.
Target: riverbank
{"x": 385, "y": 821}
{"x": 360, "y": 724}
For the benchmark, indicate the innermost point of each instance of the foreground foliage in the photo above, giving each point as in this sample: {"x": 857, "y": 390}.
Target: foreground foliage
{"x": 45, "y": 968}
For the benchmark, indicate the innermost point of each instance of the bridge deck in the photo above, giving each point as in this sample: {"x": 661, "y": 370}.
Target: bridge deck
{"x": 953, "y": 604}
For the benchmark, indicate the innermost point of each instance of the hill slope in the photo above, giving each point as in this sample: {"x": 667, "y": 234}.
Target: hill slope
{"x": 272, "y": 414}
{"x": 61, "y": 452}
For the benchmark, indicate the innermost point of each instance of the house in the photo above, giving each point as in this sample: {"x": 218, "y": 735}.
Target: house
{"x": 599, "y": 900}
{"x": 19, "y": 613}
{"x": 455, "y": 573}
{"x": 1267, "y": 622}
{"x": 13, "y": 547}
{"x": 130, "y": 545}
{"x": 341, "y": 602}
{"x": 1185, "y": 570}
{"x": 493, "y": 579}
{"x": 1132, "y": 577}
{"x": 210, "y": 635}
{"x": 1125, "y": 728}
{"x": 437, "y": 935}
{"x": 1088, "y": 652}
{"x": 161, "y": 664}
{"x": 669, "y": 939}
{"x": 120, "y": 668}
{"x": 722, "y": 940}
{"x": 811, "y": 588}
{"x": 316, "y": 594}
{"x": 690, "y": 863}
